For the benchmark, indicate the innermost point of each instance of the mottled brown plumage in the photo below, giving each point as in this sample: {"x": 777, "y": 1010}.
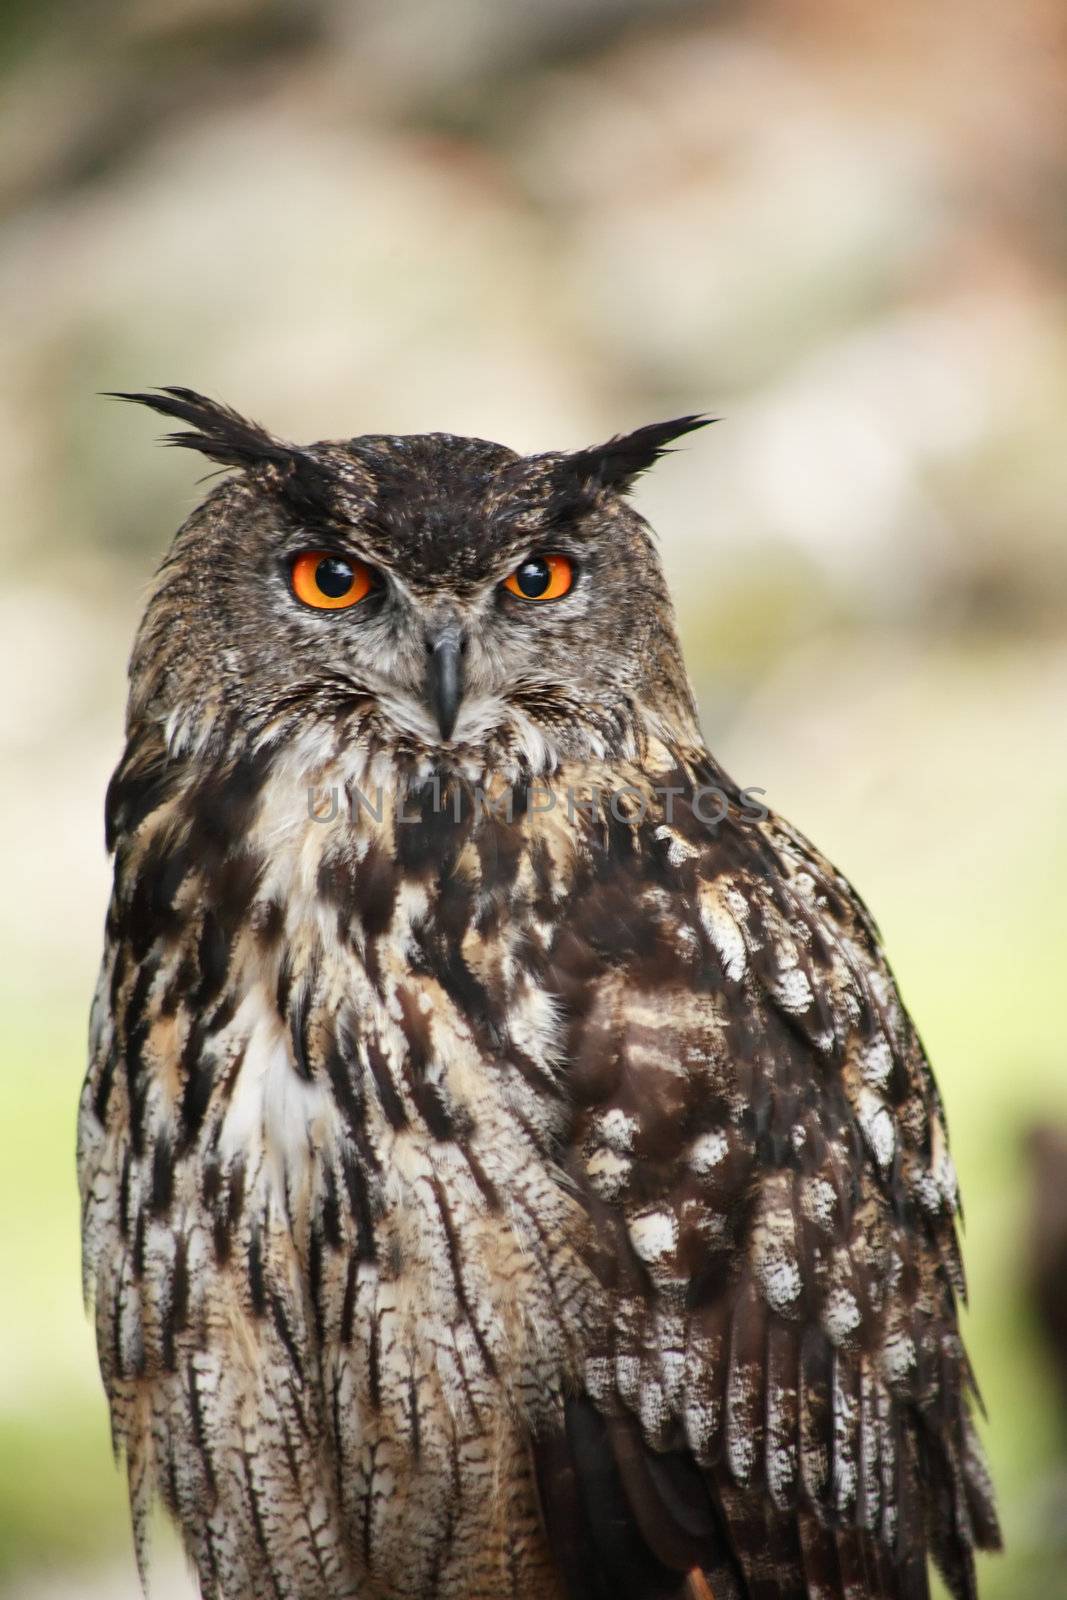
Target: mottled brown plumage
{"x": 509, "y": 1171}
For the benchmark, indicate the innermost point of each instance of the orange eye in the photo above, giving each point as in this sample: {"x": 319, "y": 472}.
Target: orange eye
{"x": 541, "y": 578}
{"x": 330, "y": 583}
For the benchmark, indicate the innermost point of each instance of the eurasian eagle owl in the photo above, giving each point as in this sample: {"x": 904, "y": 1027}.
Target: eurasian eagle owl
{"x": 508, "y": 1169}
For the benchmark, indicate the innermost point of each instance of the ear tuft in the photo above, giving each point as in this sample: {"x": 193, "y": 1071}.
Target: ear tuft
{"x": 617, "y": 463}
{"x": 218, "y": 431}
{"x": 223, "y": 435}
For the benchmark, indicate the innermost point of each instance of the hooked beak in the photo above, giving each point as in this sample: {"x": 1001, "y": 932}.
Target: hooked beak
{"x": 444, "y": 676}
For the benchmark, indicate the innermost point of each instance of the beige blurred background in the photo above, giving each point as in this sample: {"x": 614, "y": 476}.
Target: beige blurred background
{"x": 842, "y": 227}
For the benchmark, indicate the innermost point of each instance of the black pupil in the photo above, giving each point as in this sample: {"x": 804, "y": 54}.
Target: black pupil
{"x": 334, "y": 577}
{"x": 533, "y": 577}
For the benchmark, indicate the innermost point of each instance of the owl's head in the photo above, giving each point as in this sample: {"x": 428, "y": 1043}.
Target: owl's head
{"x": 422, "y": 592}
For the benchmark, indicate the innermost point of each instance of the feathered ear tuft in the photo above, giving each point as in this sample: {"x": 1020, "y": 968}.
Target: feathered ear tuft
{"x": 218, "y": 431}
{"x": 617, "y": 463}
{"x": 223, "y": 435}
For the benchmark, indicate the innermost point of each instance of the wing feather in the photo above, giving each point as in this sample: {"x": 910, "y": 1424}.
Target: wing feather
{"x": 780, "y": 1217}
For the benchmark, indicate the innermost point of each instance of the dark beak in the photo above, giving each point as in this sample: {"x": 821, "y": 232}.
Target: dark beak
{"x": 444, "y": 676}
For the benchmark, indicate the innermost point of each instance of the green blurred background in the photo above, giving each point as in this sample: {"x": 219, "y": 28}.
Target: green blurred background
{"x": 840, "y": 226}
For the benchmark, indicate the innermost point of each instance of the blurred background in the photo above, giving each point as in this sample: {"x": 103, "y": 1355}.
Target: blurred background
{"x": 840, "y": 227}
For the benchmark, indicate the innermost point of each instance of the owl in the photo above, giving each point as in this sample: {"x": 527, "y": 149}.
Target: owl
{"x": 507, "y": 1167}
